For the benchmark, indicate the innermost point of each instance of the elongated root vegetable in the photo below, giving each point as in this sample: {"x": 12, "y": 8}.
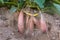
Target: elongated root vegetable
{"x": 36, "y": 22}
{"x": 21, "y": 22}
{"x": 31, "y": 24}
{"x": 43, "y": 24}
{"x": 27, "y": 21}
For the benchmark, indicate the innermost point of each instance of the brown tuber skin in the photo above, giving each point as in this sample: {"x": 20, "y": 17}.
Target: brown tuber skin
{"x": 36, "y": 22}
{"x": 31, "y": 24}
{"x": 43, "y": 24}
{"x": 21, "y": 22}
{"x": 40, "y": 24}
{"x": 27, "y": 21}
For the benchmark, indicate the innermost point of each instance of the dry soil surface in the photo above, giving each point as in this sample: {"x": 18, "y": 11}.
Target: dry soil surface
{"x": 9, "y": 31}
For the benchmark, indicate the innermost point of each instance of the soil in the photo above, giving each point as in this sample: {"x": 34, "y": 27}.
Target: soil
{"x": 9, "y": 30}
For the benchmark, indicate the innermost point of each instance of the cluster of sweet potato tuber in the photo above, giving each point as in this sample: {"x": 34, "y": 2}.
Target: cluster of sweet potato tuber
{"x": 28, "y": 22}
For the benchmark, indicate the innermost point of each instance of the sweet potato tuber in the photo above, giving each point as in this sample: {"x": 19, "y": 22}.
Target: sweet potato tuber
{"x": 43, "y": 24}
{"x": 36, "y": 22}
{"x": 27, "y": 20}
{"x": 31, "y": 24}
{"x": 21, "y": 22}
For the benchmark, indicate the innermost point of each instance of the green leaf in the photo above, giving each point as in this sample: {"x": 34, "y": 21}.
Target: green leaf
{"x": 57, "y": 6}
{"x": 20, "y": 4}
{"x": 6, "y": 0}
{"x": 50, "y": 10}
{"x": 15, "y": 1}
{"x": 40, "y": 3}
{"x": 57, "y": 1}
{"x": 13, "y": 9}
{"x": 2, "y": 1}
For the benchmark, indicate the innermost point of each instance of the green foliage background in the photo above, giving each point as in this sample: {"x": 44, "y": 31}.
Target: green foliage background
{"x": 51, "y": 6}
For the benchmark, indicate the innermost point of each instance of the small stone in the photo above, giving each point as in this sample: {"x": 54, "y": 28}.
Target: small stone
{"x": 57, "y": 21}
{"x": 12, "y": 33}
{"x": 53, "y": 38}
